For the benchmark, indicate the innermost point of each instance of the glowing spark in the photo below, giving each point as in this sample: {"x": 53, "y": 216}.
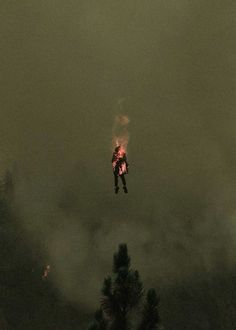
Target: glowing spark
{"x": 46, "y": 272}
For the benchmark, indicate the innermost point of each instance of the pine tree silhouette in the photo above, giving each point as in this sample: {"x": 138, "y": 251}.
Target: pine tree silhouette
{"x": 99, "y": 323}
{"x": 121, "y": 294}
{"x": 150, "y": 317}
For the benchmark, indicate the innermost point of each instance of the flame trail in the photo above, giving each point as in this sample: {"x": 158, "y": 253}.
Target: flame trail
{"x": 120, "y": 134}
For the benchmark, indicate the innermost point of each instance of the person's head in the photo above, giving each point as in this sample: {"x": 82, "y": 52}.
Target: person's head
{"x": 117, "y": 149}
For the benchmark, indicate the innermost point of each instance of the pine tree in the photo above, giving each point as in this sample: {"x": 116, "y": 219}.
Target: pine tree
{"x": 150, "y": 317}
{"x": 121, "y": 259}
{"x": 122, "y": 294}
{"x": 99, "y": 323}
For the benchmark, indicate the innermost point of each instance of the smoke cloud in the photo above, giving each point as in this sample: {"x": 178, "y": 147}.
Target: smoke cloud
{"x": 120, "y": 134}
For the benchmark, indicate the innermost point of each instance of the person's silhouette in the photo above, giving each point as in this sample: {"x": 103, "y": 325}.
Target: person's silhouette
{"x": 120, "y": 167}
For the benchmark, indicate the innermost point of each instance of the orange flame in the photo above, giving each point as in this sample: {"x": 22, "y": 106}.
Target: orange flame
{"x": 46, "y": 272}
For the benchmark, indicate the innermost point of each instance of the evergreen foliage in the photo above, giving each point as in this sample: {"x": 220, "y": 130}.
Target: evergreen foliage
{"x": 122, "y": 293}
{"x": 150, "y": 316}
{"x": 121, "y": 258}
{"x": 99, "y": 323}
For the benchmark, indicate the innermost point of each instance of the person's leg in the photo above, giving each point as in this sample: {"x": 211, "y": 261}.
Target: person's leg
{"x": 123, "y": 179}
{"x": 124, "y": 183}
{"x": 116, "y": 182}
{"x": 116, "y": 179}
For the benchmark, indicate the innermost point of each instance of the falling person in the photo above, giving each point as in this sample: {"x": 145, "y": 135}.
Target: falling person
{"x": 120, "y": 167}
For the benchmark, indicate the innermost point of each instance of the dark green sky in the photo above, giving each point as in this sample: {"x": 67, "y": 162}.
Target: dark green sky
{"x": 64, "y": 67}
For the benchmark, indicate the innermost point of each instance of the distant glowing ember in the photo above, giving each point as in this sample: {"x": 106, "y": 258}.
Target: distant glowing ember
{"x": 46, "y": 272}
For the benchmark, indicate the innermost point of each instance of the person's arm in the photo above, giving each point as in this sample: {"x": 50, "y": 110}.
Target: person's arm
{"x": 125, "y": 160}
{"x": 126, "y": 163}
{"x": 113, "y": 158}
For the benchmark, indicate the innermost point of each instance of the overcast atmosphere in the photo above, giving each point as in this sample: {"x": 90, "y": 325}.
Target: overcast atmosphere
{"x": 68, "y": 68}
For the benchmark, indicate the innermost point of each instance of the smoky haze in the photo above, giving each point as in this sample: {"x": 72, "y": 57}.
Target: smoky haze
{"x": 65, "y": 67}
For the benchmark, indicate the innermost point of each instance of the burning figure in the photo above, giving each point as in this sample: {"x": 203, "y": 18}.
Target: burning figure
{"x": 120, "y": 167}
